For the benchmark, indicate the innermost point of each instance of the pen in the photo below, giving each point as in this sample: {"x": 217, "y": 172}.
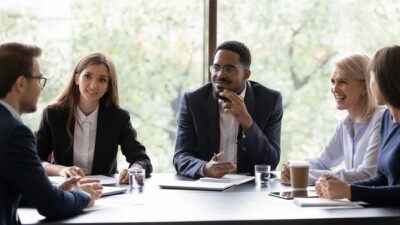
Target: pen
{"x": 215, "y": 157}
{"x": 327, "y": 176}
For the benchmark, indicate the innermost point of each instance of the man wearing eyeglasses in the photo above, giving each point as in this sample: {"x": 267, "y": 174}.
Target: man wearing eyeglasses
{"x": 230, "y": 124}
{"x": 21, "y": 171}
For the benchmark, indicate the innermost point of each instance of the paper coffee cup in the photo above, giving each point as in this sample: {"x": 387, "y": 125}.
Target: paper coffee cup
{"x": 299, "y": 174}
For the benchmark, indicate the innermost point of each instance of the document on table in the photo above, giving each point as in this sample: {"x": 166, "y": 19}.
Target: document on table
{"x": 308, "y": 202}
{"x": 103, "y": 179}
{"x": 107, "y": 191}
{"x": 209, "y": 183}
{"x": 235, "y": 179}
{"x": 196, "y": 185}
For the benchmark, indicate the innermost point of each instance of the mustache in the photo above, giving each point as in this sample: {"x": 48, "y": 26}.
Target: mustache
{"x": 221, "y": 80}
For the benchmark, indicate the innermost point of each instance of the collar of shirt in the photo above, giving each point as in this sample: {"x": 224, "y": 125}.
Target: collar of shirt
{"x": 13, "y": 112}
{"x": 91, "y": 118}
{"x": 358, "y": 125}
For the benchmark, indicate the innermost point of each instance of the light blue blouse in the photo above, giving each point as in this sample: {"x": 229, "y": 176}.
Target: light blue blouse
{"x": 359, "y": 153}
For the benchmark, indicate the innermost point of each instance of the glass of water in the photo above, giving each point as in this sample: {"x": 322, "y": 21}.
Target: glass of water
{"x": 136, "y": 178}
{"x": 262, "y": 173}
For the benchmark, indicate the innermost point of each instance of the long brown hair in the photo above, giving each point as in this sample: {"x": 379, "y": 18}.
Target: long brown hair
{"x": 69, "y": 97}
{"x": 386, "y": 67}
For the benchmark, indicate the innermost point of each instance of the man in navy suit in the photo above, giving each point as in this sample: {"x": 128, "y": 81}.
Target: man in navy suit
{"x": 21, "y": 172}
{"x": 230, "y": 124}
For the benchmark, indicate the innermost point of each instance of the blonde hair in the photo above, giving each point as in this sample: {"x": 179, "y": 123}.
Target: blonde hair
{"x": 357, "y": 66}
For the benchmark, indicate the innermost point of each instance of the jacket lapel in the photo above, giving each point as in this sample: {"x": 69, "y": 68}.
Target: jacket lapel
{"x": 69, "y": 155}
{"x": 249, "y": 102}
{"x": 100, "y": 142}
{"x": 212, "y": 122}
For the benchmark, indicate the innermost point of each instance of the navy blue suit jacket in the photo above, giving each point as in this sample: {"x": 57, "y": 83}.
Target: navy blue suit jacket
{"x": 198, "y": 135}
{"x": 113, "y": 128}
{"x": 22, "y": 174}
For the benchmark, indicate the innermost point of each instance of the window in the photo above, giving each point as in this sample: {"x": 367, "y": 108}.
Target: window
{"x": 292, "y": 44}
{"x": 157, "y": 46}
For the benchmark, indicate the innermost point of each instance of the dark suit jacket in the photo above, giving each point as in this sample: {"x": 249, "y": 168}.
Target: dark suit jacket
{"x": 113, "y": 128}
{"x": 198, "y": 135}
{"x": 21, "y": 173}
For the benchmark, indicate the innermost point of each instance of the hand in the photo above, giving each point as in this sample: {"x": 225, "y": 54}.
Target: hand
{"x": 285, "y": 172}
{"x": 123, "y": 176}
{"x": 332, "y": 188}
{"x": 94, "y": 189}
{"x": 218, "y": 168}
{"x": 69, "y": 183}
{"x": 238, "y": 109}
{"x": 72, "y": 172}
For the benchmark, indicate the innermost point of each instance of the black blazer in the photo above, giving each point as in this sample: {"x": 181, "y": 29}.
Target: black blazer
{"x": 198, "y": 135}
{"x": 113, "y": 128}
{"x": 22, "y": 174}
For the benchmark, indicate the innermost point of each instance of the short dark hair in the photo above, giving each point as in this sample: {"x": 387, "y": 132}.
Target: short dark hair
{"x": 239, "y": 48}
{"x": 16, "y": 59}
{"x": 386, "y": 66}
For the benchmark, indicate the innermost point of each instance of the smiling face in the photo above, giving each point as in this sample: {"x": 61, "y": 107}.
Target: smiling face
{"x": 235, "y": 81}
{"x": 348, "y": 92}
{"x": 93, "y": 83}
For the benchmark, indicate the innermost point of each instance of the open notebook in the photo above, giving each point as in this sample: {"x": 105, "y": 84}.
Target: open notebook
{"x": 235, "y": 179}
{"x": 208, "y": 183}
{"x": 196, "y": 185}
{"x": 103, "y": 179}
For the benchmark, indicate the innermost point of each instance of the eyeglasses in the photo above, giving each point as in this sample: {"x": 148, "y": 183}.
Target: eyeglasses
{"x": 41, "y": 78}
{"x": 227, "y": 70}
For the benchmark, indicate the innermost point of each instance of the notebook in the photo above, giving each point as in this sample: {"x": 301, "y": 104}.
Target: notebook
{"x": 235, "y": 179}
{"x": 103, "y": 179}
{"x": 197, "y": 185}
{"x": 307, "y": 202}
{"x": 107, "y": 191}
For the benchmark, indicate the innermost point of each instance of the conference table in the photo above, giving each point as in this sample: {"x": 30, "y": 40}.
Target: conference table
{"x": 247, "y": 203}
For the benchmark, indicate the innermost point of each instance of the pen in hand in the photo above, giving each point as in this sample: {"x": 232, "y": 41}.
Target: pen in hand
{"x": 327, "y": 176}
{"x": 215, "y": 157}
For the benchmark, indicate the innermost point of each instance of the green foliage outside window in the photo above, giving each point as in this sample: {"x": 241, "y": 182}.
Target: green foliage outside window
{"x": 157, "y": 46}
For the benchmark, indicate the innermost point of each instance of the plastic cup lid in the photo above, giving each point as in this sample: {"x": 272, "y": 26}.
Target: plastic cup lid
{"x": 299, "y": 164}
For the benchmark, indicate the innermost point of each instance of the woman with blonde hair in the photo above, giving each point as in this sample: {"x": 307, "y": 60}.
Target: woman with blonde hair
{"x": 384, "y": 188}
{"x": 355, "y": 140}
{"x": 83, "y": 127}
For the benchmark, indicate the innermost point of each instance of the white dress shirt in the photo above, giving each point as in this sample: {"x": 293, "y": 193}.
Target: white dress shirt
{"x": 359, "y": 153}
{"x": 229, "y": 128}
{"x": 85, "y": 140}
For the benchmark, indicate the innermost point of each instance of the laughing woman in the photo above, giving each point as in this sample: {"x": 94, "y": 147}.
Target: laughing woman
{"x": 356, "y": 138}
{"x": 384, "y": 188}
{"x": 82, "y": 128}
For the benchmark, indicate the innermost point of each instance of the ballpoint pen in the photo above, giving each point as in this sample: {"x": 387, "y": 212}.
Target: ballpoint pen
{"x": 215, "y": 157}
{"x": 327, "y": 176}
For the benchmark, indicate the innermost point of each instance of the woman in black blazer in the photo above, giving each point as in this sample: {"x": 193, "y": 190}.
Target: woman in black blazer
{"x": 82, "y": 128}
